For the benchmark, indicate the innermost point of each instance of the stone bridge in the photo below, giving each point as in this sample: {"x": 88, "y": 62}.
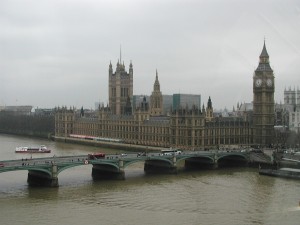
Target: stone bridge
{"x": 44, "y": 171}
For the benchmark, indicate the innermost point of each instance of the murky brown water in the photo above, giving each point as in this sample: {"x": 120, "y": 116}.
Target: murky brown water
{"x": 230, "y": 196}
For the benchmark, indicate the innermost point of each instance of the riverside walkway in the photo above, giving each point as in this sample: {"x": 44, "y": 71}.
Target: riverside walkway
{"x": 44, "y": 171}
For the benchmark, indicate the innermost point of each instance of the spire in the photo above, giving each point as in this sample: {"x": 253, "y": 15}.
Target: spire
{"x": 121, "y": 54}
{"x": 156, "y": 83}
{"x": 110, "y": 68}
{"x": 264, "y": 64}
{"x": 128, "y": 107}
{"x": 209, "y": 103}
{"x": 264, "y": 52}
{"x": 82, "y": 112}
{"x": 203, "y": 109}
{"x": 130, "y": 68}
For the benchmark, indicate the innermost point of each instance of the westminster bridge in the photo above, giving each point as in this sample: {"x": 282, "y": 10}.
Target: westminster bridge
{"x": 44, "y": 171}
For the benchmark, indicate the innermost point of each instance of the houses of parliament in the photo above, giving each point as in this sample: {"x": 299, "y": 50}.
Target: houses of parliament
{"x": 190, "y": 128}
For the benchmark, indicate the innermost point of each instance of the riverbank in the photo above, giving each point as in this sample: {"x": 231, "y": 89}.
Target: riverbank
{"x": 31, "y": 134}
{"x": 113, "y": 145}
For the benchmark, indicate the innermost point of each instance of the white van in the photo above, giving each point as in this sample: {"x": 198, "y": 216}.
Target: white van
{"x": 171, "y": 152}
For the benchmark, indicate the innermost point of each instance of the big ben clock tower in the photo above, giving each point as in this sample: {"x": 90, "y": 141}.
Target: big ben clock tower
{"x": 263, "y": 101}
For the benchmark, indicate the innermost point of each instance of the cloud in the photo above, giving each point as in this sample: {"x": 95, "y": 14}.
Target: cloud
{"x": 57, "y": 52}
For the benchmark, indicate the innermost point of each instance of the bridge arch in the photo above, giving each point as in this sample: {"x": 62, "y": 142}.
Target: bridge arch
{"x": 62, "y": 168}
{"x": 24, "y": 168}
{"x": 127, "y": 163}
{"x": 232, "y": 160}
{"x": 108, "y": 164}
{"x": 107, "y": 170}
{"x": 208, "y": 158}
{"x": 198, "y": 162}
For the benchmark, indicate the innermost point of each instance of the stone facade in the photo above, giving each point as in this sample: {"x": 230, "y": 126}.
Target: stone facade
{"x": 64, "y": 121}
{"x": 185, "y": 128}
{"x": 292, "y": 106}
{"x": 263, "y": 101}
{"x": 156, "y": 99}
{"x": 120, "y": 87}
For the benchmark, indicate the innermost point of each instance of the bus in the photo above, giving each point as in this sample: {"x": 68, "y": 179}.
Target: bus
{"x": 96, "y": 156}
{"x": 170, "y": 152}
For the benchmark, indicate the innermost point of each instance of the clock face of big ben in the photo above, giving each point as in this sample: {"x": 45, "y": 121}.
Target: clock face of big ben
{"x": 258, "y": 82}
{"x": 269, "y": 83}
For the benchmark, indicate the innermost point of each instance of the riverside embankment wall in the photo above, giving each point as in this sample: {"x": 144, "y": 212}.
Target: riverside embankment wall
{"x": 121, "y": 146}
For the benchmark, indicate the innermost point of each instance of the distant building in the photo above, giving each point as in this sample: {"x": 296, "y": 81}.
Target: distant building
{"x": 18, "y": 110}
{"x": 138, "y": 99}
{"x": 167, "y": 104}
{"x": 186, "y": 101}
{"x": 292, "y": 106}
{"x": 292, "y": 97}
{"x": 44, "y": 112}
{"x": 244, "y": 107}
{"x": 245, "y": 110}
{"x": 294, "y": 121}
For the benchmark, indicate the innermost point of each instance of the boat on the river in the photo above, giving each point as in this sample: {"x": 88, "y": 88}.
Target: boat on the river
{"x": 39, "y": 149}
{"x": 282, "y": 172}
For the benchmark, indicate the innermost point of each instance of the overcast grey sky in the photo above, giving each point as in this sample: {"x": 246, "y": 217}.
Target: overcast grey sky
{"x": 57, "y": 52}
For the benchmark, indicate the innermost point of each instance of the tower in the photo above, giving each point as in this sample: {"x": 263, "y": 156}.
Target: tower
{"x": 156, "y": 99}
{"x": 263, "y": 101}
{"x": 64, "y": 121}
{"x": 209, "y": 110}
{"x": 120, "y": 88}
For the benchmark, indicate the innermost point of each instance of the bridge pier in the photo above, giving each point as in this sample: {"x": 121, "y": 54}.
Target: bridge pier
{"x": 40, "y": 178}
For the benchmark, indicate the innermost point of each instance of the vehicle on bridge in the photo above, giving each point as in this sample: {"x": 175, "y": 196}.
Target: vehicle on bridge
{"x": 171, "y": 152}
{"x": 40, "y": 149}
{"x": 96, "y": 156}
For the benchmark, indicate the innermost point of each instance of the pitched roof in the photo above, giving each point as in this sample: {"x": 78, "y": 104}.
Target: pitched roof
{"x": 264, "y": 52}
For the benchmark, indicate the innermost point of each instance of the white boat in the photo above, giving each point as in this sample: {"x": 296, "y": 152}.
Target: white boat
{"x": 40, "y": 149}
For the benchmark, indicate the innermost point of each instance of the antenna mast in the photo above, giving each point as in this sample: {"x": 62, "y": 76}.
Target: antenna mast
{"x": 120, "y": 54}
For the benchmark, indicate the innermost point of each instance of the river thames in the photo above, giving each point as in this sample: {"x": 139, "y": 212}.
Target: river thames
{"x": 228, "y": 196}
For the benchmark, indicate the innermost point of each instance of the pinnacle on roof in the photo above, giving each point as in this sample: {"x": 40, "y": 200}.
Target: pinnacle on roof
{"x": 264, "y": 52}
{"x": 156, "y": 86}
{"x": 264, "y": 64}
